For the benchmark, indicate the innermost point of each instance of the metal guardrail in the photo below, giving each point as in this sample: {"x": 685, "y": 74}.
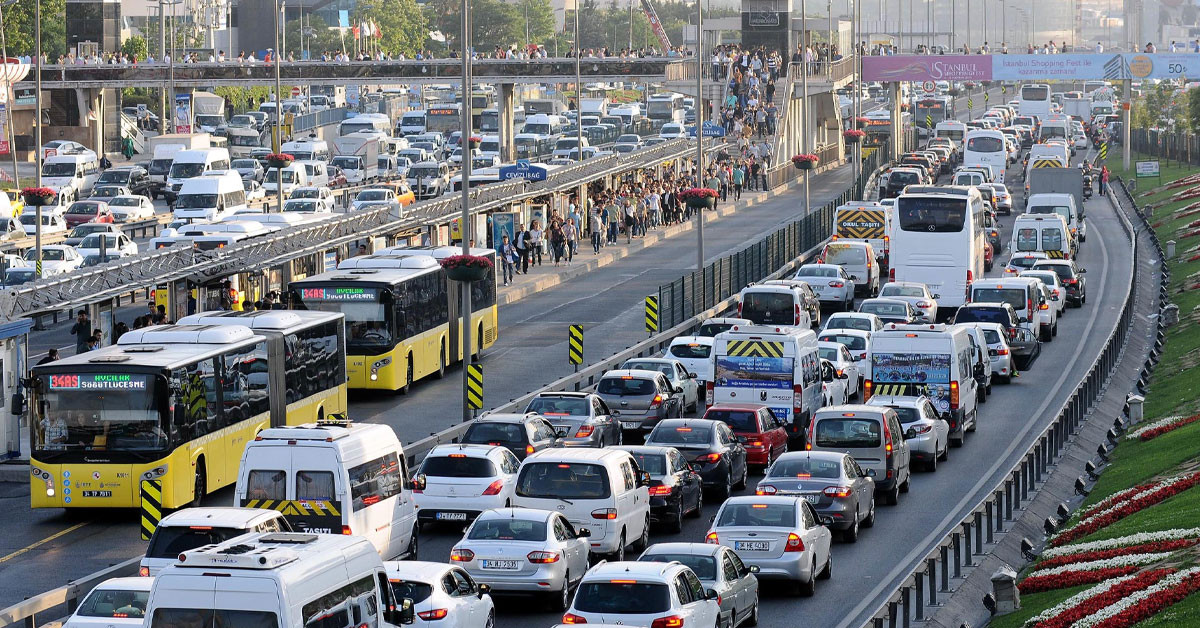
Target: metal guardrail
{"x": 67, "y": 595}
{"x": 316, "y": 119}
{"x": 833, "y": 71}
{"x": 933, "y": 574}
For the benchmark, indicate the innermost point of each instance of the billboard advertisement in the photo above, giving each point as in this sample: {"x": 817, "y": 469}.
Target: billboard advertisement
{"x": 913, "y": 374}
{"x": 922, "y": 68}
{"x": 759, "y": 380}
{"x": 1060, "y": 67}
{"x": 183, "y": 113}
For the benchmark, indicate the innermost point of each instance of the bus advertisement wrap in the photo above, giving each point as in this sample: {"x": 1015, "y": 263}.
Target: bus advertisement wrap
{"x": 916, "y": 373}
{"x": 770, "y": 377}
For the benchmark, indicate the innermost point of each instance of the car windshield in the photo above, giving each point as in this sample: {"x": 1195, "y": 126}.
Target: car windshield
{"x": 849, "y": 432}
{"x": 680, "y": 435}
{"x": 114, "y": 603}
{"x": 186, "y": 170}
{"x": 907, "y": 415}
{"x": 982, "y": 315}
{"x": 1062, "y": 270}
{"x": 58, "y": 170}
{"x": 488, "y": 432}
{"x": 105, "y": 190}
{"x": 625, "y": 386}
{"x": 83, "y": 208}
{"x": 694, "y": 350}
{"x": 665, "y": 368}
{"x": 828, "y": 353}
{"x": 557, "y": 480}
{"x": 854, "y": 343}
{"x": 93, "y": 241}
{"x": 817, "y": 271}
{"x": 884, "y": 309}
{"x": 247, "y": 164}
{"x": 844, "y": 254}
{"x": 559, "y": 406}
{"x": 737, "y": 420}
{"x": 49, "y": 255}
{"x": 346, "y": 163}
{"x": 1012, "y": 296}
{"x": 992, "y": 337}
{"x": 768, "y": 515}
{"x": 623, "y": 597}
{"x": 704, "y": 566}
{"x": 114, "y": 176}
{"x": 170, "y": 541}
{"x": 902, "y": 291}
{"x": 458, "y": 466}
{"x": 196, "y": 201}
{"x": 508, "y": 529}
{"x": 806, "y": 468}
{"x": 221, "y": 618}
{"x": 300, "y": 206}
{"x": 848, "y": 322}
{"x": 654, "y": 464}
{"x": 125, "y": 201}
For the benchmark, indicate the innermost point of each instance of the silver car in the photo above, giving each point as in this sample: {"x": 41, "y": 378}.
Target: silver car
{"x": 831, "y": 282}
{"x": 781, "y": 535}
{"x": 720, "y": 569}
{"x": 998, "y": 350}
{"x": 580, "y": 419}
{"x": 831, "y": 482}
{"x": 916, "y": 294}
{"x": 525, "y": 550}
{"x": 676, "y": 373}
{"x": 640, "y": 399}
{"x": 925, "y": 431}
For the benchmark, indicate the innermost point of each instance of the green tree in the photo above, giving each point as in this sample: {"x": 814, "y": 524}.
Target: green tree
{"x": 1193, "y": 108}
{"x": 493, "y": 22}
{"x": 19, "y": 20}
{"x": 403, "y": 25}
{"x": 185, "y": 36}
{"x": 135, "y": 47}
{"x": 319, "y": 38}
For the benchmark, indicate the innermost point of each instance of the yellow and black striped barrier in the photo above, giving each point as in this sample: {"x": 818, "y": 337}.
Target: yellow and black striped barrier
{"x": 754, "y": 349}
{"x": 475, "y": 386}
{"x": 575, "y": 345}
{"x": 651, "y": 314}
{"x": 151, "y": 507}
{"x": 1047, "y": 163}
{"x": 295, "y": 508}
{"x": 1056, "y": 254}
{"x": 1103, "y": 156}
{"x": 929, "y": 121}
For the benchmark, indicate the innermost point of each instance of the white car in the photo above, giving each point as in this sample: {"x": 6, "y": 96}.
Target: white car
{"x": 834, "y": 386}
{"x": 308, "y": 205}
{"x": 695, "y": 353}
{"x": 917, "y": 294}
{"x": 854, "y": 320}
{"x": 677, "y": 373}
{"x": 782, "y": 535}
{"x": 720, "y": 569}
{"x": 443, "y": 596}
{"x": 999, "y": 352}
{"x": 925, "y": 431}
{"x": 11, "y": 229}
{"x": 114, "y": 603}
{"x": 254, "y": 190}
{"x": 643, "y": 594}
{"x": 115, "y": 244}
{"x": 374, "y": 195}
{"x": 463, "y": 480}
{"x": 1058, "y": 292}
{"x": 51, "y": 222}
{"x": 108, "y": 192}
{"x": 56, "y": 258}
{"x": 1045, "y": 317}
{"x": 831, "y": 283}
{"x": 839, "y": 356}
{"x": 673, "y": 131}
{"x": 131, "y": 208}
{"x": 322, "y": 194}
{"x": 857, "y": 343}
{"x": 525, "y": 550}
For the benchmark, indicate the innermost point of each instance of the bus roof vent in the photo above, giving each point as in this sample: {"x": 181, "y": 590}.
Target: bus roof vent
{"x": 143, "y": 349}
{"x": 249, "y": 555}
{"x": 325, "y": 431}
{"x": 109, "y": 358}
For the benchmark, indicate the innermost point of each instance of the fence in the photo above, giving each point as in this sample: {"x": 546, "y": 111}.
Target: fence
{"x": 833, "y": 71}
{"x": 700, "y": 290}
{"x": 1180, "y": 147}
{"x": 966, "y": 539}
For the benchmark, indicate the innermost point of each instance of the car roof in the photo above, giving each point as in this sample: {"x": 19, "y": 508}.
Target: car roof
{"x": 697, "y": 340}
{"x": 854, "y": 315}
{"x": 636, "y": 570}
{"x": 418, "y": 570}
{"x": 819, "y": 453}
{"x": 129, "y": 583}
{"x": 829, "y": 344}
{"x": 849, "y": 407}
{"x": 227, "y": 516}
{"x": 633, "y": 373}
{"x": 505, "y": 417}
{"x": 643, "y": 449}
{"x": 882, "y": 300}
{"x": 535, "y": 514}
{"x": 902, "y": 401}
{"x": 564, "y": 393}
{"x": 905, "y": 284}
{"x": 709, "y": 423}
{"x": 845, "y": 331}
{"x": 694, "y": 549}
{"x": 587, "y": 454}
{"x": 737, "y": 406}
{"x": 467, "y": 449}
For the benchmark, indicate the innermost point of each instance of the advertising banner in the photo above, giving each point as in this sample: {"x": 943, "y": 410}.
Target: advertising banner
{"x": 921, "y": 68}
{"x": 910, "y": 374}
{"x": 760, "y": 380}
{"x": 1055, "y": 67}
{"x": 183, "y": 113}
{"x": 1061, "y": 67}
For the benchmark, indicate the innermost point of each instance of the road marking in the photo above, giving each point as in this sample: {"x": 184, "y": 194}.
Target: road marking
{"x": 33, "y": 546}
{"x": 906, "y": 565}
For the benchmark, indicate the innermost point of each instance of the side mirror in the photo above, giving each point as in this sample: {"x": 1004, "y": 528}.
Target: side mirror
{"x": 1082, "y": 271}
{"x": 677, "y": 389}
{"x": 843, "y": 376}
{"x": 644, "y": 480}
{"x": 484, "y": 589}
{"x": 710, "y": 594}
{"x": 937, "y": 296}
{"x": 741, "y": 439}
{"x": 754, "y": 569}
{"x": 583, "y": 533}
{"x": 691, "y": 376}
{"x": 405, "y": 615}
{"x": 910, "y": 433}
{"x": 418, "y": 483}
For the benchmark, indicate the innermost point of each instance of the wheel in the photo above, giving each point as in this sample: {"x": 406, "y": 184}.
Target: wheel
{"x": 200, "y": 487}
{"x": 491, "y": 620}
{"x": 726, "y": 490}
{"x": 414, "y": 544}
{"x": 827, "y": 572}
{"x": 945, "y": 455}
{"x": 644, "y": 540}
{"x": 809, "y": 588}
{"x": 850, "y": 535}
{"x": 752, "y": 618}
{"x": 408, "y": 377}
{"x": 619, "y": 555}
{"x": 869, "y": 520}
{"x": 907, "y": 484}
{"x": 441, "y": 372}
{"x": 741, "y": 484}
{"x": 1006, "y": 379}
{"x": 956, "y": 442}
{"x": 677, "y": 521}
{"x": 849, "y": 306}
{"x": 1054, "y": 330}
{"x": 1043, "y": 334}
{"x": 931, "y": 466}
{"x": 695, "y": 514}
{"x": 892, "y": 497}
{"x": 560, "y": 601}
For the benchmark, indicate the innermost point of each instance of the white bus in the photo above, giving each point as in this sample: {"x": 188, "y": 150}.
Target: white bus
{"x": 365, "y": 122}
{"x": 665, "y": 108}
{"x": 937, "y": 240}
{"x": 1034, "y": 100}
{"x": 954, "y": 129}
{"x": 986, "y": 147}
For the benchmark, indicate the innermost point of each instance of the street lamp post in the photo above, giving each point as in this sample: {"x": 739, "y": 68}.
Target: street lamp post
{"x": 278, "y": 114}
{"x": 8, "y": 98}
{"x": 464, "y": 230}
{"x": 37, "y": 132}
{"x": 699, "y": 131}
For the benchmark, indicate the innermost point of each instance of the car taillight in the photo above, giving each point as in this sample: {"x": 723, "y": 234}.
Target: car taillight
{"x": 433, "y": 615}
{"x": 891, "y": 274}
{"x": 862, "y": 356}
{"x": 1001, "y": 351}
{"x": 604, "y": 513}
{"x": 673, "y": 621}
{"x": 711, "y": 539}
{"x": 462, "y": 555}
{"x": 797, "y": 313}
{"x": 584, "y": 431}
{"x": 709, "y": 394}
{"x": 1044, "y": 306}
{"x": 837, "y": 491}
{"x": 1071, "y": 281}
{"x": 739, "y": 309}
{"x": 713, "y": 457}
{"x": 1029, "y": 304}
{"x": 542, "y": 558}
{"x": 143, "y": 571}
{"x": 765, "y": 489}
{"x": 794, "y": 544}
{"x": 924, "y": 304}
{"x": 1054, "y": 293}
{"x": 571, "y": 618}
{"x": 887, "y": 438}
{"x": 660, "y": 490}
{"x": 346, "y": 530}
{"x": 867, "y": 389}
{"x": 529, "y": 449}
{"x": 970, "y": 276}
{"x": 920, "y": 429}
{"x": 494, "y": 488}
{"x": 797, "y": 399}
{"x": 953, "y": 395}
{"x": 836, "y": 284}
{"x": 656, "y": 402}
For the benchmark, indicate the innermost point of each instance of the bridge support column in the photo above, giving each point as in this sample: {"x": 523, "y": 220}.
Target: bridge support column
{"x": 504, "y": 105}
{"x": 895, "y": 147}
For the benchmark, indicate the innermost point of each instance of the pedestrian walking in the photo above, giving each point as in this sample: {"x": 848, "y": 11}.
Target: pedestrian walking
{"x": 739, "y": 178}
{"x": 82, "y": 330}
{"x": 557, "y": 241}
{"x": 535, "y": 239}
{"x": 572, "y": 236}
{"x": 509, "y": 256}
{"x": 1103, "y": 180}
{"x": 522, "y": 247}
{"x": 595, "y": 226}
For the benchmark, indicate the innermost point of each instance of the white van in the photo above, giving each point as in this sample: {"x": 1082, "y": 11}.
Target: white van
{"x": 412, "y": 122}
{"x": 599, "y": 490}
{"x": 293, "y": 176}
{"x": 306, "y": 150}
{"x": 72, "y": 176}
{"x": 932, "y": 360}
{"x": 1062, "y": 204}
{"x": 281, "y": 580}
{"x": 778, "y": 366}
{"x": 365, "y": 122}
{"x": 859, "y": 260}
{"x": 193, "y": 163}
{"x": 1047, "y": 233}
{"x": 773, "y": 304}
{"x": 190, "y": 528}
{"x": 331, "y": 477}
{"x": 1025, "y": 296}
{"x": 316, "y": 172}
{"x": 210, "y": 198}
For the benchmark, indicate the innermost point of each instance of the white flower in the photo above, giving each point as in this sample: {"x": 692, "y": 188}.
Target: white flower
{"x": 1094, "y": 565}
{"x": 1132, "y": 600}
{"x": 1157, "y": 424}
{"x": 1132, "y": 539}
{"x": 1077, "y": 599}
{"x": 1149, "y": 491}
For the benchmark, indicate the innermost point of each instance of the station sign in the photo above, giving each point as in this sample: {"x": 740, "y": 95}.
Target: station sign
{"x": 523, "y": 169}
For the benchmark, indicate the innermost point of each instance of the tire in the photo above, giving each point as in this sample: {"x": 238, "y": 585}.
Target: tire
{"x": 827, "y": 572}
{"x": 414, "y": 545}
{"x": 741, "y": 484}
{"x": 850, "y": 535}
{"x": 945, "y": 455}
{"x": 808, "y": 589}
{"x": 1054, "y": 330}
{"x": 408, "y": 378}
{"x": 907, "y": 483}
{"x": 931, "y": 465}
{"x": 1044, "y": 335}
{"x": 869, "y": 520}
{"x": 441, "y": 372}
{"x": 727, "y": 489}
{"x": 643, "y": 541}
{"x": 676, "y": 525}
{"x": 560, "y": 601}
{"x": 200, "y": 487}
{"x": 619, "y": 555}
{"x": 956, "y": 442}
{"x": 892, "y": 497}
{"x": 752, "y": 618}
{"x": 1006, "y": 379}
{"x": 695, "y": 514}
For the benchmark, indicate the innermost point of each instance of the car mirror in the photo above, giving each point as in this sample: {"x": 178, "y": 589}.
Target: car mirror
{"x": 753, "y": 569}
{"x": 936, "y": 296}
{"x": 843, "y": 376}
{"x": 910, "y": 433}
{"x": 583, "y": 533}
{"x": 1022, "y": 320}
{"x": 418, "y": 483}
{"x": 405, "y": 615}
{"x": 1082, "y": 271}
{"x": 711, "y": 594}
{"x": 740, "y": 438}
{"x": 644, "y": 480}
{"x": 827, "y": 378}
{"x": 483, "y": 590}
{"x": 691, "y": 376}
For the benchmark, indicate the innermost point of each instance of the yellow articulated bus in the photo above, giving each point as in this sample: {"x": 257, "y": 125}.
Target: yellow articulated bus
{"x": 178, "y": 403}
{"x": 403, "y": 316}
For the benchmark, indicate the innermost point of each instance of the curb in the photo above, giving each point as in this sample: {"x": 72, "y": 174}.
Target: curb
{"x": 512, "y": 294}
{"x": 14, "y": 473}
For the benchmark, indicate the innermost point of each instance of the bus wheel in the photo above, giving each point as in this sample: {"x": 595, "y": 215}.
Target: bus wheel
{"x": 408, "y": 378}
{"x": 201, "y": 485}
{"x": 441, "y": 372}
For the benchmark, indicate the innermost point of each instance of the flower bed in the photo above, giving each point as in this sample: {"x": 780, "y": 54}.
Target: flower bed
{"x": 1093, "y": 599}
{"x": 1144, "y": 499}
{"x": 1158, "y": 428}
{"x": 1145, "y": 603}
{"x": 1123, "y": 541}
{"x": 1119, "y": 496}
{"x": 1141, "y": 548}
{"x": 1087, "y": 573}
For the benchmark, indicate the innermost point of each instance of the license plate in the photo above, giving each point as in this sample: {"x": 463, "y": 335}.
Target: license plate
{"x": 812, "y": 499}
{"x": 500, "y": 564}
{"x": 451, "y": 516}
{"x": 630, "y": 425}
{"x": 97, "y": 493}
{"x": 751, "y": 546}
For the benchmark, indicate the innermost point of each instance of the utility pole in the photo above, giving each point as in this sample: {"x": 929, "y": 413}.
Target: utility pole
{"x": 699, "y": 130}
{"x": 8, "y": 98}
{"x": 37, "y": 133}
{"x": 464, "y": 230}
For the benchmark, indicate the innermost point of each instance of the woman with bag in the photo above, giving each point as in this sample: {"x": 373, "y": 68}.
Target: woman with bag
{"x": 557, "y": 240}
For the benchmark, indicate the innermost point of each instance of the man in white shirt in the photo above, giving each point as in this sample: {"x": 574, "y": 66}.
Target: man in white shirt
{"x": 1099, "y": 48}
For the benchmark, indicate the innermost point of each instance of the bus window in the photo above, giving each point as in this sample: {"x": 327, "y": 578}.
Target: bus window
{"x": 1027, "y": 239}
{"x": 1052, "y": 240}
{"x": 932, "y": 215}
{"x": 985, "y": 144}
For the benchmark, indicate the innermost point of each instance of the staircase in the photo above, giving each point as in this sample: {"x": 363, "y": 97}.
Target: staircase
{"x": 129, "y": 128}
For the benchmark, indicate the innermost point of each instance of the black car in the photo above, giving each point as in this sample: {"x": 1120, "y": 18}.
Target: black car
{"x": 810, "y": 301}
{"x": 890, "y": 310}
{"x": 1024, "y": 343}
{"x": 710, "y": 446}
{"x": 522, "y": 434}
{"x": 675, "y": 489}
{"x": 1071, "y": 277}
{"x": 991, "y": 228}
{"x": 136, "y": 178}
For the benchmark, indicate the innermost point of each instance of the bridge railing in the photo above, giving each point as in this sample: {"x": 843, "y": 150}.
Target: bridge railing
{"x": 832, "y": 71}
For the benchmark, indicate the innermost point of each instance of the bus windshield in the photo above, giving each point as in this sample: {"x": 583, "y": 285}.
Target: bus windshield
{"x": 985, "y": 144}
{"x": 98, "y": 412}
{"x": 368, "y": 321}
{"x": 932, "y": 215}
{"x": 1035, "y": 92}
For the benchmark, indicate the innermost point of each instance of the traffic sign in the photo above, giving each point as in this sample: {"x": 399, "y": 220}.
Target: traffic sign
{"x": 151, "y": 507}
{"x": 295, "y": 90}
{"x": 475, "y": 386}
{"x": 1103, "y": 151}
{"x": 575, "y": 344}
{"x": 929, "y": 86}
{"x": 929, "y": 121}
{"x": 986, "y": 97}
{"x": 651, "y": 314}
{"x": 1147, "y": 169}
{"x": 970, "y": 103}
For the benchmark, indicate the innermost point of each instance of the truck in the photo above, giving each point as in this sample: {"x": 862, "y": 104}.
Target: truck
{"x": 357, "y": 154}
{"x": 1058, "y": 181}
{"x": 548, "y": 106}
{"x": 864, "y": 221}
{"x": 162, "y": 149}
{"x": 1080, "y": 107}
{"x": 593, "y": 106}
{"x": 209, "y": 110}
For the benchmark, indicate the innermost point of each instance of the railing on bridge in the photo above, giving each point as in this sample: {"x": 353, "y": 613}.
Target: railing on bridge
{"x": 316, "y": 119}
{"x": 832, "y": 71}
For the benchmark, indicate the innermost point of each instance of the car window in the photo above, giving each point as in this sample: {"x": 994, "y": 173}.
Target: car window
{"x": 627, "y": 473}
{"x": 740, "y": 420}
{"x": 810, "y": 517}
{"x": 693, "y": 582}
{"x": 560, "y": 530}
{"x": 727, "y": 566}
{"x": 463, "y": 584}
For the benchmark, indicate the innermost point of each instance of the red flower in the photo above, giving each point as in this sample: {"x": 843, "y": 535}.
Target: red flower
{"x": 1163, "y": 429}
{"x": 466, "y": 261}
{"x": 42, "y": 192}
{"x": 849, "y": 133}
{"x": 1143, "y": 548}
{"x": 806, "y": 157}
{"x": 1153, "y": 604}
{"x": 1034, "y": 584}
{"x": 280, "y": 157}
{"x": 1089, "y": 526}
{"x": 691, "y": 193}
{"x": 1107, "y": 598}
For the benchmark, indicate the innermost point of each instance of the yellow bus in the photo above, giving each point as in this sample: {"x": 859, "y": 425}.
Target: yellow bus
{"x": 403, "y": 317}
{"x": 178, "y": 403}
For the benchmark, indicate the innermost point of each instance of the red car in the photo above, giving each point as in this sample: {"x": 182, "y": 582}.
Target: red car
{"x": 764, "y": 436}
{"x": 87, "y": 211}
{"x": 989, "y": 256}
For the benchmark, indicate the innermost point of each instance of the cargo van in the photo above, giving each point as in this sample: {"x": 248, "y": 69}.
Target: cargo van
{"x": 72, "y": 176}
{"x": 776, "y": 366}
{"x": 600, "y": 491}
{"x": 334, "y": 477}
{"x": 280, "y": 580}
{"x": 293, "y": 176}
{"x": 210, "y": 198}
{"x": 773, "y": 304}
{"x": 936, "y": 361}
{"x": 1047, "y": 233}
{"x": 859, "y": 259}
{"x": 872, "y": 435}
{"x": 188, "y": 164}
{"x": 411, "y": 122}
{"x": 306, "y": 150}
